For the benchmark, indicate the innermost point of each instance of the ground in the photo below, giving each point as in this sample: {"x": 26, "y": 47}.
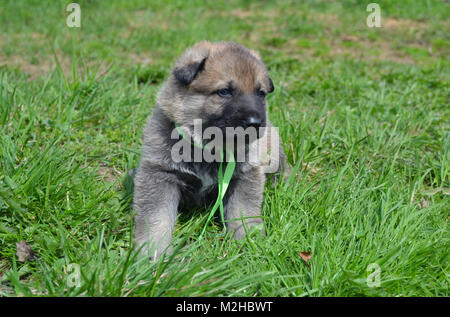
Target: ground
{"x": 363, "y": 114}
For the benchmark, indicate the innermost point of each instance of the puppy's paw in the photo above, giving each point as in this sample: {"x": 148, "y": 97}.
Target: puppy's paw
{"x": 151, "y": 253}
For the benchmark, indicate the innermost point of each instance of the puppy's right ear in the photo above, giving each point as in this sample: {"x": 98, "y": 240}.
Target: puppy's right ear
{"x": 186, "y": 74}
{"x": 191, "y": 63}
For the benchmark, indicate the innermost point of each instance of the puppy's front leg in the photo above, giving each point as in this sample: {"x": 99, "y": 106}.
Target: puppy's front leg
{"x": 156, "y": 198}
{"x": 245, "y": 202}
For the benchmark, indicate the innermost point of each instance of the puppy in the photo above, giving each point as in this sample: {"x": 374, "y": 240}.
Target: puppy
{"x": 224, "y": 85}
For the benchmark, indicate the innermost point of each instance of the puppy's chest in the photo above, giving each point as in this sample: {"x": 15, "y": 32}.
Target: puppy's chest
{"x": 207, "y": 180}
{"x": 201, "y": 184}
{"x": 199, "y": 189}
{"x": 208, "y": 174}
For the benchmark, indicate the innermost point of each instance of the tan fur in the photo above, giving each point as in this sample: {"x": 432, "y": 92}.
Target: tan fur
{"x": 162, "y": 184}
{"x": 222, "y": 65}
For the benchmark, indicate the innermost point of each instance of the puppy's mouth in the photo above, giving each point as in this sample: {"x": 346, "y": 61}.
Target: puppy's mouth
{"x": 234, "y": 127}
{"x": 230, "y": 136}
{"x": 239, "y": 131}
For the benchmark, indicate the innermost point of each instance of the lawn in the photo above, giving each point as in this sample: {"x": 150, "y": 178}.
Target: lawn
{"x": 363, "y": 114}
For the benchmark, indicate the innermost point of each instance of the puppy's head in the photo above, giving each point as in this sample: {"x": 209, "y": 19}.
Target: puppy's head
{"x": 223, "y": 84}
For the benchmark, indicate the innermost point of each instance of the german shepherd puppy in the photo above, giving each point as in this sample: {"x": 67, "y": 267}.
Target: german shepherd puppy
{"x": 224, "y": 85}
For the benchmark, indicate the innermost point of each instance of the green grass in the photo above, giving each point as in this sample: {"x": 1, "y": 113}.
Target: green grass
{"x": 363, "y": 113}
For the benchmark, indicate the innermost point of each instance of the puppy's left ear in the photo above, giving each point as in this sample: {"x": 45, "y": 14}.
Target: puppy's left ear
{"x": 191, "y": 63}
{"x": 271, "y": 86}
{"x": 256, "y": 55}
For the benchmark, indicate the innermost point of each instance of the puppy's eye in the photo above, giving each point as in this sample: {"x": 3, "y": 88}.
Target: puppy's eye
{"x": 261, "y": 93}
{"x": 225, "y": 92}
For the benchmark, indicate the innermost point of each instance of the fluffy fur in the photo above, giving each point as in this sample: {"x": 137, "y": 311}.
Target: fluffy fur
{"x": 195, "y": 90}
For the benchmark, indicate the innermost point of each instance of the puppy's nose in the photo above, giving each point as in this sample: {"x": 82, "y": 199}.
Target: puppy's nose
{"x": 253, "y": 121}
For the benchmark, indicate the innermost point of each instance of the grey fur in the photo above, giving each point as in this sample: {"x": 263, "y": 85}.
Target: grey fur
{"x": 161, "y": 185}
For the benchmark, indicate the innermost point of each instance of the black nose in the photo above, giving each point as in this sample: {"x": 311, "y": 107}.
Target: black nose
{"x": 252, "y": 121}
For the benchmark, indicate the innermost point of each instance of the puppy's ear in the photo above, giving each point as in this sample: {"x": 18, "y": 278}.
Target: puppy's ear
{"x": 191, "y": 63}
{"x": 256, "y": 55}
{"x": 271, "y": 86}
{"x": 186, "y": 74}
